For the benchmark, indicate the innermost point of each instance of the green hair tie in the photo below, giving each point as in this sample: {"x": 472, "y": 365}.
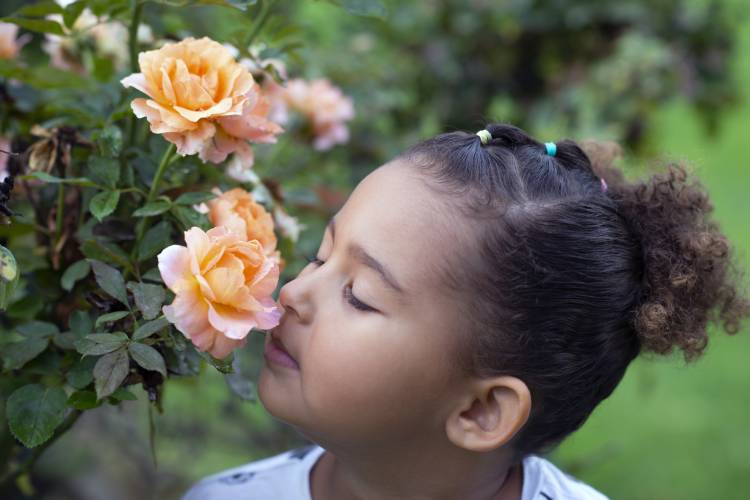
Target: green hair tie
{"x": 551, "y": 148}
{"x": 485, "y": 136}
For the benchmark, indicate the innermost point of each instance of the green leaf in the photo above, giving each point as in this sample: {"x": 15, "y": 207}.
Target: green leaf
{"x": 148, "y": 298}
{"x": 122, "y": 394}
{"x": 100, "y": 343}
{"x": 153, "y": 208}
{"x": 17, "y": 354}
{"x": 37, "y": 329}
{"x": 111, "y": 281}
{"x": 109, "y": 139}
{"x": 34, "y": 412}
{"x": 71, "y": 13}
{"x": 150, "y": 328}
{"x": 104, "y": 171}
{"x": 74, "y": 273}
{"x": 26, "y": 308}
{"x": 104, "y": 203}
{"x": 105, "y": 251}
{"x": 40, "y": 9}
{"x": 148, "y": 357}
{"x": 190, "y": 217}
{"x": 152, "y": 274}
{"x": 223, "y": 365}
{"x": 65, "y": 340}
{"x": 110, "y": 371}
{"x": 194, "y": 198}
{"x": 110, "y": 317}
{"x": 80, "y": 323}
{"x": 45, "y": 177}
{"x": 80, "y": 374}
{"x": 47, "y": 363}
{"x": 155, "y": 240}
{"x": 83, "y": 400}
{"x": 38, "y": 25}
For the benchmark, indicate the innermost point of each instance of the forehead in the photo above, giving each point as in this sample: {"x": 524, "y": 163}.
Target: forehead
{"x": 404, "y": 225}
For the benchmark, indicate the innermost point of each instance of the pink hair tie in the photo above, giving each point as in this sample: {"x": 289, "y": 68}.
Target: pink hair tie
{"x": 604, "y": 185}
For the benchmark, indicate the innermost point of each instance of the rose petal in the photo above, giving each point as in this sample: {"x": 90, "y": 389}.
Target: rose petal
{"x": 174, "y": 265}
{"x": 231, "y": 322}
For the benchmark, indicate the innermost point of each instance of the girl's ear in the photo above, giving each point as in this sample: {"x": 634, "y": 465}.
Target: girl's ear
{"x": 490, "y": 413}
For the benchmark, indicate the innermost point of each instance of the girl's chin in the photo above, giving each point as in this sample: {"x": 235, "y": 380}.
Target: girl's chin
{"x": 276, "y": 395}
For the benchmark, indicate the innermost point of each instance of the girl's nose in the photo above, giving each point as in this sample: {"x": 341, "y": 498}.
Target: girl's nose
{"x": 294, "y": 297}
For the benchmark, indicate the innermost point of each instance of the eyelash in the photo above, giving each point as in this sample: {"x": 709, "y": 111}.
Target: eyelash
{"x": 356, "y": 303}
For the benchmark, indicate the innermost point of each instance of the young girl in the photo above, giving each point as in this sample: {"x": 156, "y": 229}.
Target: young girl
{"x": 471, "y": 303}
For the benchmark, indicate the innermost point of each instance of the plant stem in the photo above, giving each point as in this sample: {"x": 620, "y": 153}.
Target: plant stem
{"x": 137, "y": 7}
{"x": 266, "y": 9}
{"x": 165, "y": 161}
{"x": 14, "y": 471}
{"x": 160, "y": 171}
{"x": 59, "y": 214}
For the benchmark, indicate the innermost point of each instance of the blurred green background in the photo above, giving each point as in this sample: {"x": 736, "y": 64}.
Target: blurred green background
{"x": 670, "y": 80}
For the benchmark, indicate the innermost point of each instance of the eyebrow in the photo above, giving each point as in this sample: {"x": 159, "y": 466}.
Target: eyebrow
{"x": 359, "y": 253}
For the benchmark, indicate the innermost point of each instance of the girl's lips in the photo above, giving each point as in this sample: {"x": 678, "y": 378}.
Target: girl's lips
{"x": 275, "y": 353}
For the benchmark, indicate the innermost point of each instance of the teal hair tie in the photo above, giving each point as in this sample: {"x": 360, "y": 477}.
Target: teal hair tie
{"x": 551, "y": 148}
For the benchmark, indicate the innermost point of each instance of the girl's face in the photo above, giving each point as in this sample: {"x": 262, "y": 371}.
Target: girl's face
{"x": 374, "y": 332}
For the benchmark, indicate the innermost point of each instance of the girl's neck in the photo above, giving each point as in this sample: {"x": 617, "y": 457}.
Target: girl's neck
{"x": 334, "y": 479}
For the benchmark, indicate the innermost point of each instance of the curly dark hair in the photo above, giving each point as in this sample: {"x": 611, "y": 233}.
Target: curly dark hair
{"x": 570, "y": 282}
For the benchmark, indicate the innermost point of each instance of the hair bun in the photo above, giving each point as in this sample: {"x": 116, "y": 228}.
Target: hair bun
{"x": 689, "y": 274}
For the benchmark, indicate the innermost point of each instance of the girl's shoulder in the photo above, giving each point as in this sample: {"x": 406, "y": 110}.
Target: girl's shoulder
{"x": 286, "y": 477}
{"x": 283, "y": 477}
{"x": 543, "y": 480}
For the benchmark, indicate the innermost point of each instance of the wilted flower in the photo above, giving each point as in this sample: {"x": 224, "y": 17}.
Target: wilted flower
{"x": 237, "y": 210}
{"x": 222, "y": 287}
{"x": 325, "y": 106}
{"x": 202, "y": 100}
{"x": 9, "y": 44}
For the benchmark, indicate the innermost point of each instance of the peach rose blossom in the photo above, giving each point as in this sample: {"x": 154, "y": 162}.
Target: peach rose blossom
{"x": 9, "y": 44}
{"x": 201, "y": 99}
{"x": 222, "y": 287}
{"x": 325, "y": 106}
{"x": 233, "y": 132}
{"x": 237, "y": 210}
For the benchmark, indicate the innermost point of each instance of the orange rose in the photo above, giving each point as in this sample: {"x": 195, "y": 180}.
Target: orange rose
{"x": 222, "y": 287}
{"x": 202, "y": 100}
{"x": 234, "y": 131}
{"x": 237, "y": 210}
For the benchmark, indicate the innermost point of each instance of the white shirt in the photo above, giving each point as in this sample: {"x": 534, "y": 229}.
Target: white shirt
{"x": 286, "y": 476}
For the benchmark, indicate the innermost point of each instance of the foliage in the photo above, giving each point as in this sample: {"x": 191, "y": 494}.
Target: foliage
{"x": 90, "y": 198}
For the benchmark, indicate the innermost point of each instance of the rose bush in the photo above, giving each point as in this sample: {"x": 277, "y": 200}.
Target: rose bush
{"x": 132, "y": 251}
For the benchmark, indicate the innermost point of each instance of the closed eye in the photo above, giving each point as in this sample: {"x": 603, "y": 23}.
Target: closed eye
{"x": 350, "y": 298}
